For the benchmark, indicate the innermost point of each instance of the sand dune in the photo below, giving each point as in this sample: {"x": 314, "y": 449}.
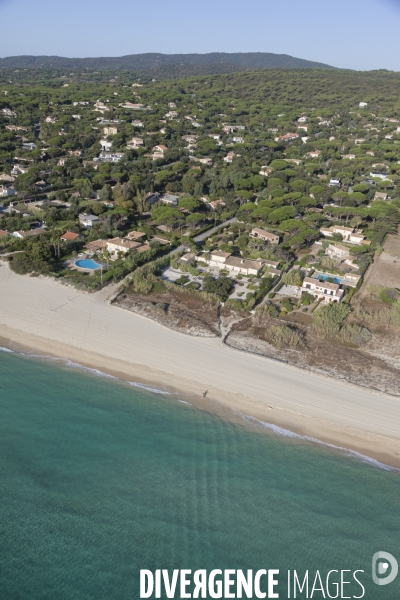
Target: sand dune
{"x": 45, "y": 315}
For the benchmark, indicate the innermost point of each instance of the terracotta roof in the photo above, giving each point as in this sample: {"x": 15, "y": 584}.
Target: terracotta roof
{"x": 69, "y": 236}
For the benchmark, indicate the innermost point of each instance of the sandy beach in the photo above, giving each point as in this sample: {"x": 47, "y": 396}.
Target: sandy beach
{"x": 46, "y": 317}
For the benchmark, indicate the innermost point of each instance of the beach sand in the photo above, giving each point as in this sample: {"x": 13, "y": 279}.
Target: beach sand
{"x": 42, "y": 316}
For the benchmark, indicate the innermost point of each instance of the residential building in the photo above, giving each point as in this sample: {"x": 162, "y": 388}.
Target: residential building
{"x": 265, "y": 171}
{"x": 169, "y": 199}
{"x": 265, "y": 236}
{"x": 288, "y": 137}
{"x": 334, "y": 182}
{"x": 88, "y": 220}
{"x": 30, "y": 233}
{"x": 234, "y": 264}
{"x": 322, "y": 290}
{"x": 383, "y": 176}
{"x": 134, "y": 143}
{"x": 380, "y": 196}
{"x": 349, "y": 234}
{"x": 6, "y": 192}
{"x": 106, "y": 145}
{"x": 110, "y": 130}
{"x": 137, "y": 123}
{"x": 314, "y": 153}
{"x": 111, "y": 157}
{"x": 70, "y": 236}
{"x": 123, "y": 245}
{"x": 338, "y": 252}
{"x": 132, "y": 106}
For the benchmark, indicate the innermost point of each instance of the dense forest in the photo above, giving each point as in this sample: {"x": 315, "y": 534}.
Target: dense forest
{"x": 168, "y": 64}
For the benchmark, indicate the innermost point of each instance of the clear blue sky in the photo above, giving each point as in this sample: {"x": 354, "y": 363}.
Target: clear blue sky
{"x": 356, "y": 34}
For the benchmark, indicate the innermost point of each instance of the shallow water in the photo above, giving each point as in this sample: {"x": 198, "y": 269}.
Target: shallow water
{"x": 100, "y": 479}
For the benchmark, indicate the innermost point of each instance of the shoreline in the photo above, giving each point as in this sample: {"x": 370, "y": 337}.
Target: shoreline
{"x": 41, "y": 316}
{"x": 233, "y": 408}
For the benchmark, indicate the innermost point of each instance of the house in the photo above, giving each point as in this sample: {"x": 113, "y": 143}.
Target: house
{"x": 235, "y": 264}
{"x": 383, "y": 176}
{"x": 288, "y": 137}
{"x": 214, "y": 205}
{"x": 19, "y": 169}
{"x": 314, "y": 153}
{"x": 265, "y": 236}
{"x": 135, "y": 235}
{"x": 265, "y": 171}
{"x": 6, "y": 192}
{"x": 88, "y": 220}
{"x": 132, "y": 106}
{"x": 190, "y": 139}
{"x": 160, "y": 149}
{"x": 338, "y": 252}
{"x": 137, "y": 123}
{"x": 70, "y": 236}
{"x": 349, "y": 234}
{"x": 95, "y": 246}
{"x": 229, "y": 157}
{"x": 5, "y": 177}
{"x": 124, "y": 245}
{"x": 135, "y": 142}
{"x": 334, "y": 182}
{"x": 214, "y": 136}
{"x": 110, "y": 157}
{"x": 169, "y": 199}
{"x": 31, "y": 233}
{"x": 322, "y": 290}
{"x": 349, "y": 156}
{"x": 152, "y": 197}
{"x": 106, "y": 145}
{"x": 363, "y": 104}
{"x": 110, "y": 130}
{"x": 380, "y": 196}
{"x": 204, "y": 161}
{"x": 238, "y": 139}
{"x": 3, "y": 233}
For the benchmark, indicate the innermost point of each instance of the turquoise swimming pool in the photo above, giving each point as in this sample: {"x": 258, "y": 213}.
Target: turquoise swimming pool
{"x": 87, "y": 263}
{"x": 337, "y": 280}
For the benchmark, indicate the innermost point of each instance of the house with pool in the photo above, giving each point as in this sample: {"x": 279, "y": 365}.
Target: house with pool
{"x": 322, "y": 290}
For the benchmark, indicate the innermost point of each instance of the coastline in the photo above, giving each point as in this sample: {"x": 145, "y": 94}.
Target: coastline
{"x": 41, "y": 316}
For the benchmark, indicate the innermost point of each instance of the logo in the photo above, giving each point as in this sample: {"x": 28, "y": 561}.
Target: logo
{"x": 381, "y": 561}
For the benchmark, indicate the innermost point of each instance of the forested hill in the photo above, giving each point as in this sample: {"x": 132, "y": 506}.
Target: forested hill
{"x": 175, "y": 64}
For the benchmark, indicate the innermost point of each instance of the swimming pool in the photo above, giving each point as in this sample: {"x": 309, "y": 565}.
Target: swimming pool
{"x": 87, "y": 263}
{"x": 325, "y": 277}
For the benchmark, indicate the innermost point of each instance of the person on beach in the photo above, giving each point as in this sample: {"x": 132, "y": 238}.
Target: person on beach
{"x": 205, "y": 393}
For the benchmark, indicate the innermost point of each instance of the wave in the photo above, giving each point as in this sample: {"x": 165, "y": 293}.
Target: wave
{"x": 66, "y": 362}
{"x": 291, "y": 434}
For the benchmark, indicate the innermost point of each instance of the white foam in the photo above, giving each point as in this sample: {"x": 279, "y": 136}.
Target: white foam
{"x": 6, "y": 350}
{"x": 73, "y": 365}
{"x": 291, "y": 434}
{"x": 148, "y": 388}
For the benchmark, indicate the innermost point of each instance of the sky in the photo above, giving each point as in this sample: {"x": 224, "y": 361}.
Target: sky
{"x": 353, "y": 34}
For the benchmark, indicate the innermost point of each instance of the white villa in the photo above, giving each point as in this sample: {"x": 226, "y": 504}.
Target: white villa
{"x": 349, "y": 234}
{"x": 236, "y": 264}
{"x": 322, "y": 290}
{"x": 265, "y": 236}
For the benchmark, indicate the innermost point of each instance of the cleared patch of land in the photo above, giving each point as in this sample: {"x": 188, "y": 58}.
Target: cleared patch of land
{"x": 385, "y": 270}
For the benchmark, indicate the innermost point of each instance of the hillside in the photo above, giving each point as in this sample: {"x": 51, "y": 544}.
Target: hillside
{"x": 215, "y": 62}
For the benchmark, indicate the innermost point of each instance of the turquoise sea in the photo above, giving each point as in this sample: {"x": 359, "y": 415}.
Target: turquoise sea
{"x": 99, "y": 479}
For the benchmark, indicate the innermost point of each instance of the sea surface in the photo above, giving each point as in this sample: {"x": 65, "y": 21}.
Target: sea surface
{"x": 100, "y": 478}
